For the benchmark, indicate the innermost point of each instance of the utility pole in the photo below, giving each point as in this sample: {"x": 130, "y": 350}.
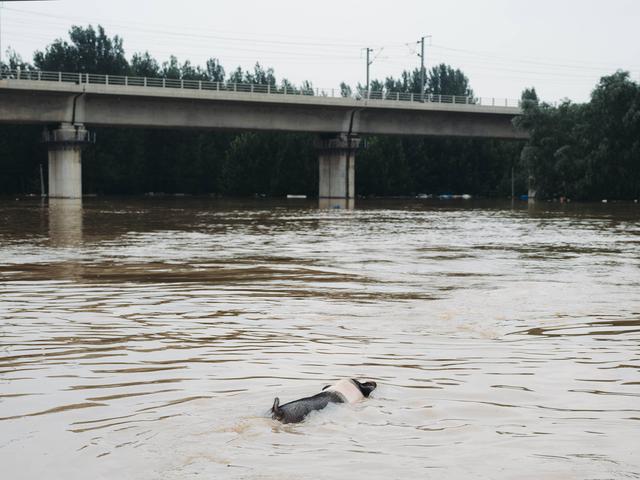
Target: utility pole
{"x": 422, "y": 70}
{"x": 369, "y": 50}
{"x": 422, "y": 66}
{"x": 1, "y": 4}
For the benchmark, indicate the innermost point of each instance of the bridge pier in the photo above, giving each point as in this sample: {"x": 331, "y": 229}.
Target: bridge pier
{"x": 65, "y": 146}
{"x": 65, "y": 221}
{"x": 336, "y": 156}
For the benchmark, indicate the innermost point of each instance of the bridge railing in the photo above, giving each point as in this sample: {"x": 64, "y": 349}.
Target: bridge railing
{"x": 247, "y": 88}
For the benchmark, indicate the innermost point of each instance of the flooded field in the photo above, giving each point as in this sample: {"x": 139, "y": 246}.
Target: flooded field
{"x": 147, "y": 339}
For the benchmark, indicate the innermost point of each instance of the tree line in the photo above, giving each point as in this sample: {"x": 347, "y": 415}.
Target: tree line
{"x": 586, "y": 151}
{"x": 583, "y": 151}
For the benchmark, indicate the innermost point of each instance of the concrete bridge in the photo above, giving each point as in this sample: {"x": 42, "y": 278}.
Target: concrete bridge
{"x": 68, "y": 103}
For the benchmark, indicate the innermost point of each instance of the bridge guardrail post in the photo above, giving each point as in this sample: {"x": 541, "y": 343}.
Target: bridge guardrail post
{"x": 164, "y": 83}
{"x": 39, "y": 75}
{"x": 235, "y": 87}
{"x": 217, "y": 86}
{"x": 252, "y": 88}
{"x": 60, "y": 76}
{"x": 126, "y": 81}
{"x": 181, "y": 83}
{"x": 145, "y": 81}
{"x": 199, "y": 84}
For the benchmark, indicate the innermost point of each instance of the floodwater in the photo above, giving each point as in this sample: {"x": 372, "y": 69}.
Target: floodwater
{"x": 147, "y": 339}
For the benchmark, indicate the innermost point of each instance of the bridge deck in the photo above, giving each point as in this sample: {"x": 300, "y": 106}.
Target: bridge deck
{"x": 147, "y": 105}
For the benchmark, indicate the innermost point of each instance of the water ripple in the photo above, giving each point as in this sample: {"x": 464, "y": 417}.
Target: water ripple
{"x": 151, "y": 332}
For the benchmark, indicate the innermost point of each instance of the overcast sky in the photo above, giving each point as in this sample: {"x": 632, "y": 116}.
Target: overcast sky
{"x": 562, "y": 47}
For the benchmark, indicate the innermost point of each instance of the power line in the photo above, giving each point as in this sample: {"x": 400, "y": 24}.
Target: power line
{"x": 168, "y": 31}
{"x": 290, "y": 50}
{"x": 327, "y": 58}
{"x": 577, "y": 65}
{"x": 327, "y": 47}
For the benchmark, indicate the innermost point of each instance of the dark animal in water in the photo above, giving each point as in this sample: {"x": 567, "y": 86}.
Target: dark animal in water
{"x": 345, "y": 391}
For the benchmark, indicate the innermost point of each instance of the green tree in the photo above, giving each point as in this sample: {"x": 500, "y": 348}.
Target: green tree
{"x": 15, "y": 61}
{"x": 144, "y": 65}
{"x": 586, "y": 151}
{"x": 345, "y": 90}
{"x": 530, "y": 95}
{"x": 90, "y": 51}
{"x": 215, "y": 71}
{"x": 445, "y": 80}
{"x": 171, "y": 68}
{"x": 613, "y": 120}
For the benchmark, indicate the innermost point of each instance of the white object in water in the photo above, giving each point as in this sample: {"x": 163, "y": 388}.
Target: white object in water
{"x": 296, "y": 196}
{"x": 348, "y": 390}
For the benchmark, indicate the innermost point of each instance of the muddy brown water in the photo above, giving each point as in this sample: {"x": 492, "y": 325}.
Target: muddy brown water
{"x": 147, "y": 338}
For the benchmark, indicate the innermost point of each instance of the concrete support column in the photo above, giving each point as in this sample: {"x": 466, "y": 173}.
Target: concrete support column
{"x": 65, "y": 172}
{"x": 65, "y": 159}
{"x": 65, "y": 221}
{"x": 337, "y": 171}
